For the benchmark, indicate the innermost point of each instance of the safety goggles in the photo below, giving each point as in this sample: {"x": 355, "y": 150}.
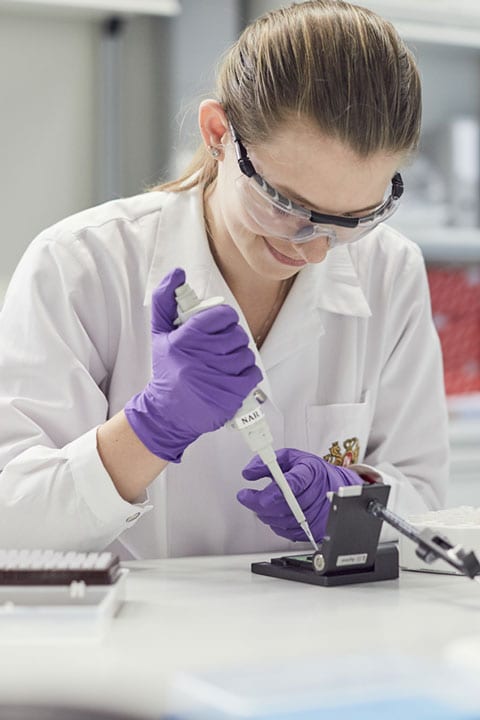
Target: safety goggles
{"x": 275, "y": 215}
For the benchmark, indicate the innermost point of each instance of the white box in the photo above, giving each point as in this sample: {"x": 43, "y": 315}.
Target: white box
{"x": 460, "y": 526}
{"x": 57, "y": 614}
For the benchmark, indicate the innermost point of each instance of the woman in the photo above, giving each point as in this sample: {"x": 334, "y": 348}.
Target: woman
{"x": 281, "y": 213}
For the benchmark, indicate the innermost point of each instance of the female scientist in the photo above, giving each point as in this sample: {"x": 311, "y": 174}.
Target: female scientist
{"x": 113, "y": 416}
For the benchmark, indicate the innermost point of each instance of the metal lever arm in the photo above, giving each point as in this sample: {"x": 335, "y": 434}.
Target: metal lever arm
{"x": 431, "y": 546}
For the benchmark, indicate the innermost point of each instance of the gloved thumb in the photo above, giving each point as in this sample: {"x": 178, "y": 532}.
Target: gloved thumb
{"x": 164, "y": 304}
{"x": 255, "y": 469}
{"x": 249, "y": 499}
{"x": 286, "y": 458}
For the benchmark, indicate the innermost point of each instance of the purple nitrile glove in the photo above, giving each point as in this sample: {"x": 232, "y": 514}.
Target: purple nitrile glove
{"x": 202, "y": 372}
{"x": 310, "y": 478}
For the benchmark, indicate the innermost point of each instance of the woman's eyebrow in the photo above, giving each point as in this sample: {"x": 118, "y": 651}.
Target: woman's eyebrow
{"x": 303, "y": 201}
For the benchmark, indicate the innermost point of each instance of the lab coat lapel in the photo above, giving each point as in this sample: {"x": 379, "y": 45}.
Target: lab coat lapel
{"x": 340, "y": 291}
{"x": 330, "y": 286}
{"x": 182, "y": 242}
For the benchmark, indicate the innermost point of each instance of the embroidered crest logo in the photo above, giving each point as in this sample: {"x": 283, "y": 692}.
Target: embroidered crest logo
{"x": 350, "y": 456}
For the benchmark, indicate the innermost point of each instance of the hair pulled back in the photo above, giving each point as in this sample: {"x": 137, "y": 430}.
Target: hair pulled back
{"x": 337, "y": 65}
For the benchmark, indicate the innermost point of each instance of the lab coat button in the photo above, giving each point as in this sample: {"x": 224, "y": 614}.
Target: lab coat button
{"x": 133, "y": 517}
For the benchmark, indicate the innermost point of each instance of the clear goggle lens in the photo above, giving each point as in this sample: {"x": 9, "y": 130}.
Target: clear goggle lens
{"x": 273, "y": 215}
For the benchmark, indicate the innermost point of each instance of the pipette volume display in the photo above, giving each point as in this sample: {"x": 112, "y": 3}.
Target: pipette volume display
{"x": 250, "y": 418}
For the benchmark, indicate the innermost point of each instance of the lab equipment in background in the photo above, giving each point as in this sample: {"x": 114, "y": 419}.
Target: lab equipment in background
{"x": 455, "y": 295}
{"x": 250, "y": 418}
{"x": 55, "y": 597}
{"x": 350, "y": 553}
{"x": 459, "y": 154}
{"x": 425, "y": 202}
{"x": 443, "y": 181}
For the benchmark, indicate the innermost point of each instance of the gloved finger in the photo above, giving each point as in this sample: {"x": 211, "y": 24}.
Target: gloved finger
{"x": 164, "y": 304}
{"x": 296, "y": 534}
{"x": 237, "y": 364}
{"x": 233, "y": 364}
{"x": 224, "y": 343}
{"x": 190, "y": 339}
{"x": 285, "y": 525}
{"x": 203, "y": 379}
{"x": 256, "y": 469}
{"x": 217, "y": 319}
{"x": 286, "y": 458}
{"x": 230, "y": 391}
{"x": 282, "y": 522}
{"x": 268, "y": 502}
{"x": 287, "y": 520}
{"x": 248, "y": 498}
{"x": 303, "y": 481}
{"x": 272, "y": 507}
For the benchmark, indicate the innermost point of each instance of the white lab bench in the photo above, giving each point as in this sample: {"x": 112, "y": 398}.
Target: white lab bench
{"x": 212, "y": 612}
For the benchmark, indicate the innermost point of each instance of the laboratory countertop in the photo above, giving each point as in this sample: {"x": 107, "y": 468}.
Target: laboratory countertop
{"x": 212, "y": 612}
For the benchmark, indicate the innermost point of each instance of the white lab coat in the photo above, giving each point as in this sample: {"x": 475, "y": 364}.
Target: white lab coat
{"x": 353, "y": 353}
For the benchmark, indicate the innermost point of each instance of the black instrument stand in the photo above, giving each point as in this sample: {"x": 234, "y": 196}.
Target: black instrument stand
{"x": 349, "y": 552}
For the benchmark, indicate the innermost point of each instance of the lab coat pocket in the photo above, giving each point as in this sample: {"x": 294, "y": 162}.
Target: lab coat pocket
{"x": 339, "y": 433}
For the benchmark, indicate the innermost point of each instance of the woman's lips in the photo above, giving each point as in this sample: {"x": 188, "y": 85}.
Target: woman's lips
{"x": 283, "y": 258}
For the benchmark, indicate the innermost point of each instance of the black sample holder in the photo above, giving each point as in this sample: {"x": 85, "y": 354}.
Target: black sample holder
{"x": 349, "y": 553}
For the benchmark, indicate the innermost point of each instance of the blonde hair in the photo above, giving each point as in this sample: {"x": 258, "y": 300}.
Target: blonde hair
{"x": 337, "y": 65}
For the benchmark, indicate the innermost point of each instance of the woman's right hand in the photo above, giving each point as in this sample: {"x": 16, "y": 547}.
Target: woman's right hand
{"x": 202, "y": 372}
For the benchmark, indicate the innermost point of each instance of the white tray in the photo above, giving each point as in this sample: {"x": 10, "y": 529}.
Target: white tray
{"x": 58, "y": 613}
{"x": 446, "y": 523}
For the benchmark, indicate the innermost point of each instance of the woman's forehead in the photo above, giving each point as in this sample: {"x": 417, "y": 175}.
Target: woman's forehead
{"x": 322, "y": 172}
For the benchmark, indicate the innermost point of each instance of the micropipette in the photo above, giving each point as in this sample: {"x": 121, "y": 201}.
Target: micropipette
{"x": 250, "y": 418}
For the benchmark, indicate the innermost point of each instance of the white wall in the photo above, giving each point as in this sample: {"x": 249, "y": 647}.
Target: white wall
{"x": 200, "y": 35}
{"x": 54, "y": 148}
{"x": 47, "y": 146}
{"x": 56, "y": 137}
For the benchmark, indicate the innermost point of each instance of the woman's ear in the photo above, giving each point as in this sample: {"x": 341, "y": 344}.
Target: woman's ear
{"x": 213, "y": 126}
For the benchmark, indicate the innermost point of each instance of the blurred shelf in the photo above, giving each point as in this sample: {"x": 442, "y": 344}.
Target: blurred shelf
{"x": 465, "y": 463}
{"x": 440, "y": 35}
{"x": 464, "y": 487}
{"x": 434, "y": 21}
{"x": 465, "y": 437}
{"x": 446, "y": 244}
{"x": 95, "y": 7}
{"x": 446, "y": 12}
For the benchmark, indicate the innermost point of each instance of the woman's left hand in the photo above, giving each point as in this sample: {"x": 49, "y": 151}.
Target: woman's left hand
{"x": 310, "y": 478}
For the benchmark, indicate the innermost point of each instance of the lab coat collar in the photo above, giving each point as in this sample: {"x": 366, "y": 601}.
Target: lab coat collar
{"x": 336, "y": 283}
{"x": 330, "y": 286}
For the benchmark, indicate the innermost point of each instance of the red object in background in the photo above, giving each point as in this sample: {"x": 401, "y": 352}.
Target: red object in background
{"x": 455, "y": 294}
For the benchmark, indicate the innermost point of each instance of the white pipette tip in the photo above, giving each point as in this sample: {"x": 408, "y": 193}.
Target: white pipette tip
{"x": 308, "y": 533}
